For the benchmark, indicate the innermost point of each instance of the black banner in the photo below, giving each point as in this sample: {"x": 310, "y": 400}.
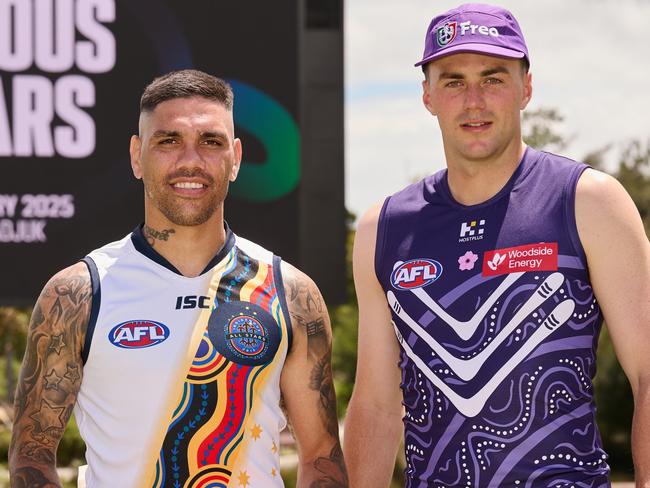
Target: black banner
{"x": 72, "y": 73}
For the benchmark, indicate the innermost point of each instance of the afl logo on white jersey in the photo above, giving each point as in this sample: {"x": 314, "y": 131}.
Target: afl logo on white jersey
{"x": 415, "y": 273}
{"x": 138, "y": 334}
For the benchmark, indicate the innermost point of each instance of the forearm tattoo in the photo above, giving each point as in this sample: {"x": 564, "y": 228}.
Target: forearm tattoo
{"x": 332, "y": 470}
{"x": 50, "y": 377}
{"x": 152, "y": 234}
{"x": 309, "y": 315}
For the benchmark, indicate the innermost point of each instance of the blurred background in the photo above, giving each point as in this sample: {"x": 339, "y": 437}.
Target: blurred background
{"x": 328, "y": 108}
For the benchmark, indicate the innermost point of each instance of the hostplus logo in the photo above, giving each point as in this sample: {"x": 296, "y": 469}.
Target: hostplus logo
{"x": 447, "y": 33}
{"x": 471, "y": 231}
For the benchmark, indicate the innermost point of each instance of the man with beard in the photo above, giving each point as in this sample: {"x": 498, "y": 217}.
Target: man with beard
{"x": 175, "y": 345}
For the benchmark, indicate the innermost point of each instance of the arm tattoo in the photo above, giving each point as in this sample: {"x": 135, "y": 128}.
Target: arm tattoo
{"x": 50, "y": 377}
{"x": 309, "y": 316}
{"x": 321, "y": 381}
{"x": 32, "y": 478}
{"x": 332, "y": 469}
{"x": 315, "y": 328}
{"x": 152, "y": 234}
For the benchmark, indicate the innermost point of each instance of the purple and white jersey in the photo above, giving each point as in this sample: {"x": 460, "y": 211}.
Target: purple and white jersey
{"x": 498, "y": 328}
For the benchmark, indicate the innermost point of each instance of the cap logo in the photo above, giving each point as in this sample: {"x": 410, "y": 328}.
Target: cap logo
{"x": 473, "y": 29}
{"x": 446, "y": 33}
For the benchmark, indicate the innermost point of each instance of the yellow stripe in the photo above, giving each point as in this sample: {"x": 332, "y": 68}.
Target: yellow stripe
{"x": 211, "y": 424}
{"x": 248, "y": 289}
{"x": 151, "y": 453}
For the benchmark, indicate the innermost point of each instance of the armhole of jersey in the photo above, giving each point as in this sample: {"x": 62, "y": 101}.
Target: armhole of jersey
{"x": 570, "y": 211}
{"x": 380, "y": 239}
{"x": 94, "y": 308}
{"x": 279, "y": 285}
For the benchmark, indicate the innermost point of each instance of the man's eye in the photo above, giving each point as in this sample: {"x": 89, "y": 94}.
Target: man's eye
{"x": 493, "y": 81}
{"x": 167, "y": 141}
{"x": 454, "y": 84}
{"x": 212, "y": 142}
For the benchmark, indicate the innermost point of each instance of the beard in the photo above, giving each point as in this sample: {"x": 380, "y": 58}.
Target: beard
{"x": 185, "y": 211}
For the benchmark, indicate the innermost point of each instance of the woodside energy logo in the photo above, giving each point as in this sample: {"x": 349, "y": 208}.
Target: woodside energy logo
{"x": 529, "y": 257}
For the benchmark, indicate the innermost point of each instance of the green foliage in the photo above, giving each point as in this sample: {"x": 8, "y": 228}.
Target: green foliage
{"x": 13, "y": 327}
{"x": 5, "y": 440}
{"x": 540, "y": 129}
{"x": 634, "y": 174}
{"x": 290, "y": 476}
{"x": 614, "y": 406}
{"x": 344, "y": 331}
{"x": 13, "y": 337}
{"x": 72, "y": 448}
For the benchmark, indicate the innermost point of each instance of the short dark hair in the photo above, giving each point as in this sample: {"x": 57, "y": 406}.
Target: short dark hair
{"x": 184, "y": 84}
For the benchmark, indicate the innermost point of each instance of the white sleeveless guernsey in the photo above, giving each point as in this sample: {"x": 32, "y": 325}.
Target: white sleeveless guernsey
{"x": 181, "y": 378}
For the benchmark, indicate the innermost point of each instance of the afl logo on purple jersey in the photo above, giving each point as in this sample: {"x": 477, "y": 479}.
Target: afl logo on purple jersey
{"x": 138, "y": 334}
{"x": 415, "y": 273}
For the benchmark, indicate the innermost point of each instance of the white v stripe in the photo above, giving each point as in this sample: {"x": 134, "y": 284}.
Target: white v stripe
{"x": 466, "y": 369}
{"x": 472, "y": 406}
{"x": 465, "y": 330}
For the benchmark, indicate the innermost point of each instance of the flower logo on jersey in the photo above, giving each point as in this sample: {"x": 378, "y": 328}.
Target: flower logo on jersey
{"x": 244, "y": 333}
{"x": 467, "y": 260}
{"x": 415, "y": 273}
{"x": 446, "y": 33}
{"x": 138, "y": 334}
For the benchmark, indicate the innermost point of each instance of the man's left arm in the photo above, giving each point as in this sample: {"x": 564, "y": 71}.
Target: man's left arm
{"x": 307, "y": 386}
{"x": 618, "y": 255}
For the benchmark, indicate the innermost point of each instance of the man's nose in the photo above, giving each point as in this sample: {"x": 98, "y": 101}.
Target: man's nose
{"x": 190, "y": 157}
{"x": 474, "y": 98}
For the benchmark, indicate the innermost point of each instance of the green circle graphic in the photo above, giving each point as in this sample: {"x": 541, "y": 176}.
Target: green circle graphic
{"x": 261, "y": 115}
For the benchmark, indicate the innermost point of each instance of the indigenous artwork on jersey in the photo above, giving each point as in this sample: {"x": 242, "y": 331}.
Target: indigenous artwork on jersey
{"x": 224, "y": 431}
{"x": 498, "y": 326}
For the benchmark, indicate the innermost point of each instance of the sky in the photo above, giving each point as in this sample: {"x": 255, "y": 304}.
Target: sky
{"x": 590, "y": 60}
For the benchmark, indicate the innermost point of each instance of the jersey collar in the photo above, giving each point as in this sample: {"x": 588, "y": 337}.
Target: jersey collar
{"x": 141, "y": 245}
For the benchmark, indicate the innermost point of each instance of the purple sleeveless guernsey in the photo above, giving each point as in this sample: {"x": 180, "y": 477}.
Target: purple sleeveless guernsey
{"x": 498, "y": 328}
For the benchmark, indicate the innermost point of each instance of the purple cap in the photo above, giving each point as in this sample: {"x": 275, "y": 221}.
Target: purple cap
{"x": 475, "y": 28}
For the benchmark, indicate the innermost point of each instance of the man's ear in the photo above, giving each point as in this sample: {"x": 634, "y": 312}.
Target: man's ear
{"x": 426, "y": 98}
{"x": 528, "y": 90}
{"x": 134, "y": 151}
{"x": 237, "y": 162}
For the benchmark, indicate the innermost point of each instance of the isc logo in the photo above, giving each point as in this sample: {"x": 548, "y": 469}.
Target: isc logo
{"x": 192, "y": 301}
{"x": 415, "y": 273}
{"x": 137, "y": 334}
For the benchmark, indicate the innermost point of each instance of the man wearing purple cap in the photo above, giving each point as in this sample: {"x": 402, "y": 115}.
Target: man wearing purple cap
{"x": 487, "y": 284}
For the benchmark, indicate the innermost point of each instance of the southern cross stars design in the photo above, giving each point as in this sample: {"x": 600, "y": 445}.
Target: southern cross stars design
{"x": 256, "y": 431}
{"x": 243, "y": 478}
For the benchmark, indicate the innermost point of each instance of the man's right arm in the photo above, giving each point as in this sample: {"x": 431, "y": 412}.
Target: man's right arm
{"x": 373, "y": 425}
{"x": 50, "y": 377}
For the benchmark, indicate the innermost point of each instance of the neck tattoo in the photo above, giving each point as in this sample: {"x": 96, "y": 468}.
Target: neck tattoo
{"x": 152, "y": 234}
